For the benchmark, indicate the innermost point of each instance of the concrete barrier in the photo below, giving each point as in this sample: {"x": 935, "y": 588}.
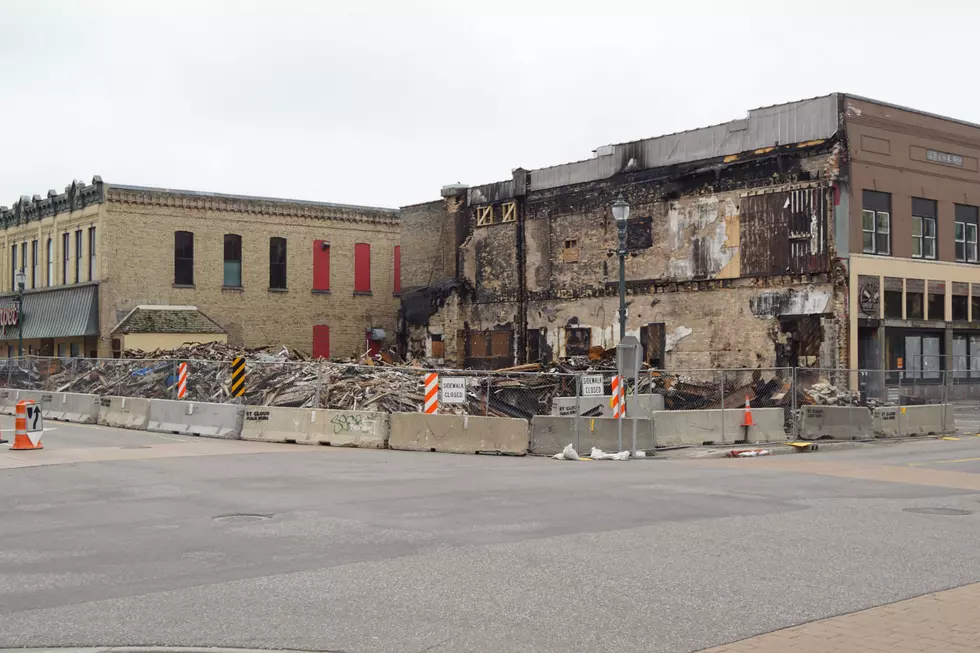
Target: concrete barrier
{"x": 124, "y": 412}
{"x": 194, "y": 418}
{"x": 457, "y": 433}
{"x": 835, "y": 423}
{"x": 50, "y": 402}
{"x": 672, "y": 428}
{"x": 550, "y": 434}
{"x": 645, "y": 405}
{"x": 348, "y": 428}
{"x": 73, "y": 407}
{"x": 894, "y": 421}
{"x": 8, "y": 401}
{"x": 337, "y": 428}
{"x": 271, "y": 424}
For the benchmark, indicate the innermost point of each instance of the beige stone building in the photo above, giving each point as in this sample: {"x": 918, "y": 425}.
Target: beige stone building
{"x": 318, "y": 277}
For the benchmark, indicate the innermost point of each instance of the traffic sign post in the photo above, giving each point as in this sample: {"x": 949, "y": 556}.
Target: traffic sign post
{"x": 628, "y": 354}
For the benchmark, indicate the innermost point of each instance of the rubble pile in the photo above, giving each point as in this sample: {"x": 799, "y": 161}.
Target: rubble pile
{"x": 824, "y": 393}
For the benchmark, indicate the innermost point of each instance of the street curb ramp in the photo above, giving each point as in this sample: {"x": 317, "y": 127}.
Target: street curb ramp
{"x": 124, "y": 412}
{"x": 458, "y": 434}
{"x": 196, "y": 418}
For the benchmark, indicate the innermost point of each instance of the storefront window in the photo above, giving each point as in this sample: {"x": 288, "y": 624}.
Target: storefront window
{"x": 923, "y": 358}
{"x": 937, "y": 307}
{"x": 961, "y": 358}
{"x": 959, "y": 308}
{"x": 893, "y": 304}
{"x": 74, "y": 350}
{"x": 913, "y": 306}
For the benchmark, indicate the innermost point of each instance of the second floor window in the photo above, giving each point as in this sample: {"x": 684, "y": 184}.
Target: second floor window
{"x": 78, "y": 256}
{"x": 965, "y": 234}
{"x": 876, "y": 222}
{"x": 362, "y": 268}
{"x": 13, "y": 268}
{"x": 65, "y": 256}
{"x": 233, "y": 261}
{"x": 183, "y": 258}
{"x": 91, "y": 253}
{"x": 50, "y": 253}
{"x": 34, "y": 264}
{"x": 923, "y": 228}
{"x": 277, "y": 263}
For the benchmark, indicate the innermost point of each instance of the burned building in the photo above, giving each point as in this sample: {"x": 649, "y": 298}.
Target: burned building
{"x": 738, "y": 240}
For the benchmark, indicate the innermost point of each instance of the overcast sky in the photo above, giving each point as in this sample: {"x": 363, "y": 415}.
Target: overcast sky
{"x": 381, "y": 103}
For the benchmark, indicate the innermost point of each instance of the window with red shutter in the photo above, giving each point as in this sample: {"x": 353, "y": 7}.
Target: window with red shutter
{"x": 321, "y": 341}
{"x": 398, "y": 268}
{"x": 321, "y": 265}
{"x": 362, "y": 268}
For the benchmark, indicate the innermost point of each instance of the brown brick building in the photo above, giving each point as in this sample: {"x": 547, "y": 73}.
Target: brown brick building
{"x": 314, "y": 276}
{"x": 749, "y": 246}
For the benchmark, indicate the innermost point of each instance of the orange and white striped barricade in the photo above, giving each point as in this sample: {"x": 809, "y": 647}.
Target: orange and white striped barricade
{"x": 28, "y": 426}
{"x": 618, "y": 397}
{"x": 182, "y": 381}
{"x": 431, "y": 394}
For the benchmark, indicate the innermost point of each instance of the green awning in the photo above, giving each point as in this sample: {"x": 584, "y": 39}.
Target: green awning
{"x": 59, "y": 312}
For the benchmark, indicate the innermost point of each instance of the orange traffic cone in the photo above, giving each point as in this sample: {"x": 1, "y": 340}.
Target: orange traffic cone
{"x": 23, "y": 440}
{"x": 747, "y": 418}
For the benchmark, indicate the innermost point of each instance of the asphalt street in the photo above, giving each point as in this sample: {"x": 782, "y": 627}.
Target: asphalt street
{"x": 112, "y": 537}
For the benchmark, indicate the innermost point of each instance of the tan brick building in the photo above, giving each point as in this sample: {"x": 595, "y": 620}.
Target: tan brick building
{"x": 317, "y": 277}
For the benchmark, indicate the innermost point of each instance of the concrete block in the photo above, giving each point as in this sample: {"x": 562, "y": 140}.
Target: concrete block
{"x": 50, "y": 402}
{"x": 835, "y": 423}
{"x": 673, "y": 428}
{"x": 74, "y": 407}
{"x": 8, "y": 401}
{"x": 550, "y": 434}
{"x": 124, "y": 412}
{"x": 348, "y": 428}
{"x": 600, "y": 406}
{"x": 271, "y": 424}
{"x": 457, "y": 433}
{"x": 196, "y": 418}
{"x": 894, "y": 421}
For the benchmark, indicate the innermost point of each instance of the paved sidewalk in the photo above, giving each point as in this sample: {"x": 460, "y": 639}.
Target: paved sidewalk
{"x": 944, "y": 621}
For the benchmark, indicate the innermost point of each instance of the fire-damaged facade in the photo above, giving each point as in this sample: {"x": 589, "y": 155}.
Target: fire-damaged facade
{"x": 738, "y": 243}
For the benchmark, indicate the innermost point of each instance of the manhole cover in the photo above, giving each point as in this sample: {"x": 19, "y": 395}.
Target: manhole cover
{"x": 241, "y": 518}
{"x": 939, "y": 511}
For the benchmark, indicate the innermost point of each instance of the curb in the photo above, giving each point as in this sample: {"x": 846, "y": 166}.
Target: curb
{"x": 778, "y": 449}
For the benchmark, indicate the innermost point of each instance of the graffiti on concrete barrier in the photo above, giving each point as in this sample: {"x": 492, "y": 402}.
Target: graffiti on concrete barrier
{"x": 105, "y": 401}
{"x": 345, "y": 422}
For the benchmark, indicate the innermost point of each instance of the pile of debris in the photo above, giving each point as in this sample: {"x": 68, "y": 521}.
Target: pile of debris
{"x": 824, "y": 393}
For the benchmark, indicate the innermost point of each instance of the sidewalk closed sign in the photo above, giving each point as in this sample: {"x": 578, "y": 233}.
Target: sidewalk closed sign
{"x": 592, "y": 385}
{"x": 453, "y": 389}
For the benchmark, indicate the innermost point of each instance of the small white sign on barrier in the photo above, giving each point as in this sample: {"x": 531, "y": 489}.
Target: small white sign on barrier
{"x": 453, "y": 389}
{"x": 592, "y": 386}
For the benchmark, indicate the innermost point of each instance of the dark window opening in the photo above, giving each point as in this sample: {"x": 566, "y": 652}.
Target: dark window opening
{"x": 975, "y": 305}
{"x": 91, "y": 253}
{"x": 577, "y": 341}
{"x": 893, "y": 304}
{"x": 937, "y": 307}
{"x": 65, "y": 256}
{"x": 639, "y": 233}
{"x": 78, "y": 256}
{"x": 960, "y": 306}
{"x": 277, "y": 263}
{"x": 33, "y": 264}
{"x": 233, "y": 261}
{"x": 914, "y": 306}
{"x": 183, "y": 258}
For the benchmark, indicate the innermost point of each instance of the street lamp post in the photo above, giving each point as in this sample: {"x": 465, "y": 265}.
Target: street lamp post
{"x": 621, "y": 213}
{"x": 21, "y": 279}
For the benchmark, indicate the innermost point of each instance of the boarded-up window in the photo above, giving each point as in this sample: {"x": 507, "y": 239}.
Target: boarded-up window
{"x": 783, "y": 233}
{"x": 362, "y": 268}
{"x": 321, "y": 341}
{"x": 639, "y": 233}
{"x": 569, "y": 253}
{"x": 508, "y": 212}
{"x": 500, "y": 343}
{"x": 484, "y": 216}
{"x": 321, "y": 265}
{"x": 437, "y": 345}
{"x": 577, "y": 341}
{"x": 478, "y": 344}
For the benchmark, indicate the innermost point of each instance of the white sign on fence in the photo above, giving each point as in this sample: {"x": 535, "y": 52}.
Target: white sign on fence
{"x": 453, "y": 389}
{"x": 592, "y": 386}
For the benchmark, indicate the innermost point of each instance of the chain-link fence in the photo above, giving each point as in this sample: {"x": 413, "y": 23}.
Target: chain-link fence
{"x": 392, "y": 389}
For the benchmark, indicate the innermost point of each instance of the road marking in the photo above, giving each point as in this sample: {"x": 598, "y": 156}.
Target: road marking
{"x": 943, "y": 462}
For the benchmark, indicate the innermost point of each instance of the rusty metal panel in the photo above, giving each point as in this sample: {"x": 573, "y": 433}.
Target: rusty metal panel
{"x": 784, "y": 233}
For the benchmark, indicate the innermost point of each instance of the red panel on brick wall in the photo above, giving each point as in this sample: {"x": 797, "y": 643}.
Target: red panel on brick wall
{"x": 362, "y": 267}
{"x": 398, "y": 268}
{"x": 321, "y": 265}
{"x": 321, "y": 341}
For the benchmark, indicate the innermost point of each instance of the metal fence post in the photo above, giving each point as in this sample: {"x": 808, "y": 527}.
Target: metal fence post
{"x": 486, "y": 397}
{"x": 319, "y": 382}
{"x": 578, "y": 410}
{"x": 793, "y": 418}
{"x": 636, "y": 409}
{"x": 721, "y": 389}
{"x": 74, "y": 373}
{"x": 946, "y": 379}
{"x": 174, "y": 377}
